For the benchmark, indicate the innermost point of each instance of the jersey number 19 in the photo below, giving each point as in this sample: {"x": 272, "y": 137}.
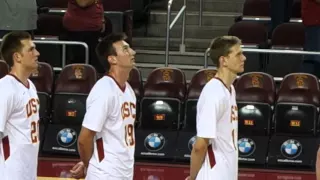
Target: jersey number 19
{"x": 129, "y": 135}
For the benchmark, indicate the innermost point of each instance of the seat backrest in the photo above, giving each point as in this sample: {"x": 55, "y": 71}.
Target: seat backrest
{"x": 166, "y": 75}
{"x": 288, "y": 35}
{"x": 4, "y": 68}
{"x": 76, "y": 78}
{"x": 42, "y": 78}
{"x": 296, "y": 9}
{"x": 198, "y": 81}
{"x": 299, "y": 88}
{"x": 249, "y": 32}
{"x": 256, "y": 87}
{"x": 256, "y": 8}
{"x": 171, "y": 82}
{"x": 135, "y": 80}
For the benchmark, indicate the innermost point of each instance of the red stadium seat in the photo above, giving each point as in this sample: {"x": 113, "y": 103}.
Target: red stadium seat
{"x": 43, "y": 80}
{"x": 198, "y": 81}
{"x": 296, "y": 109}
{"x": 69, "y": 106}
{"x": 253, "y": 35}
{"x": 255, "y": 99}
{"x": 71, "y": 91}
{"x": 135, "y": 80}
{"x": 287, "y": 36}
{"x": 4, "y": 68}
{"x": 164, "y": 93}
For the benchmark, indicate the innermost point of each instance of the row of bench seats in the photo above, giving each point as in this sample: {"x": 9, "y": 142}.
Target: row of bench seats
{"x": 167, "y": 102}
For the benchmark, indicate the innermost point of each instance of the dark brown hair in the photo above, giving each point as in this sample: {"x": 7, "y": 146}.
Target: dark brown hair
{"x": 105, "y": 48}
{"x": 11, "y": 44}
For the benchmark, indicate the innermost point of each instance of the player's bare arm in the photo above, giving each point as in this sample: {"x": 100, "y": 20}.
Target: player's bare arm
{"x": 318, "y": 164}
{"x": 85, "y": 145}
{"x": 198, "y": 154}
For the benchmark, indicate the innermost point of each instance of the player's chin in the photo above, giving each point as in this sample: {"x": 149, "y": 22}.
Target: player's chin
{"x": 241, "y": 70}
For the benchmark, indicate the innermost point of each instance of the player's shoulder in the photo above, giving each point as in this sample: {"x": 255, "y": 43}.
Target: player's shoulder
{"x": 214, "y": 85}
{"x": 103, "y": 84}
{"x": 8, "y": 86}
{"x": 7, "y": 82}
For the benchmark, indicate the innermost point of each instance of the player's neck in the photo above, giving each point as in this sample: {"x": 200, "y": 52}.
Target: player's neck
{"x": 21, "y": 74}
{"x": 226, "y": 76}
{"x": 121, "y": 76}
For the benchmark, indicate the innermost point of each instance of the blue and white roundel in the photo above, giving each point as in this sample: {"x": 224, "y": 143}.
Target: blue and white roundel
{"x": 154, "y": 142}
{"x": 246, "y": 147}
{"x": 291, "y": 148}
{"x": 66, "y": 137}
{"x": 153, "y": 177}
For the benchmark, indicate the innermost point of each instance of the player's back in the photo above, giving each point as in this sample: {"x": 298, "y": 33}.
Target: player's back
{"x": 114, "y": 144}
{"x": 222, "y": 156}
{"x": 19, "y": 122}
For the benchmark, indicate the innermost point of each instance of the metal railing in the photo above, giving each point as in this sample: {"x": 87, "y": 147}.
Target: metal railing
{"x": 170, "y": 26}
{"x": 64, "y": 43}
{"x": 269, "y": 51}
{"x": 200, "y": 12}
{"x": 266, "y": 19}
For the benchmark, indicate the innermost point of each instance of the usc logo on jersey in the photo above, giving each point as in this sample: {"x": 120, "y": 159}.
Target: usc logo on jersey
{"x": 128, "y": 109}
{"x": 32, "y": 107}
{"x": 234, "y": 113}
{"x": 234, "y": 118}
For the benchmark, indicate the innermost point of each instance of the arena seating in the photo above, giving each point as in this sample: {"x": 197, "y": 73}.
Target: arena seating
{"x": 259, "y": 10}
{"x": 287, "y": 36}
{"x": 68, "y": 106}
{"x": 296, "y": 109}
{"x": 4, "y": 68}
{"x": 196, "y": 85}
{"x": 280, "y": 126}
{"x": 186, "y": 136}
{"x": 256, "y": 8}
{"x": 43, "y": 80}
{"x": 253, "y": 35}
{"x": 164, "y": 93}
{"x": 161, "y": 111}
{"x": 255, "y": 99}
{"x": 135, "y": 80}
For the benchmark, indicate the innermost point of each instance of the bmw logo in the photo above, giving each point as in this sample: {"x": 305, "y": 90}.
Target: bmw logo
{"x": 291, "y": 149}
{"x": 66, "y": 137}
{"x": 191, "y": 142}
{"x": 246, "y": 147}
{"x": 154, "y": 142}
{"x": 153, "y": 177}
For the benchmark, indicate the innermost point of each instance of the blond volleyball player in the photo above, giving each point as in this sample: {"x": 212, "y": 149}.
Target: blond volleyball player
{"x": 215, "y": 152}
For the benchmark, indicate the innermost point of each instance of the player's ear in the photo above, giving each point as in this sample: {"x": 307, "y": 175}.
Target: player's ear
{"x": 112, "y": 60}
{"x": 222, "y": 61}
{"x": 16, "y": 56}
